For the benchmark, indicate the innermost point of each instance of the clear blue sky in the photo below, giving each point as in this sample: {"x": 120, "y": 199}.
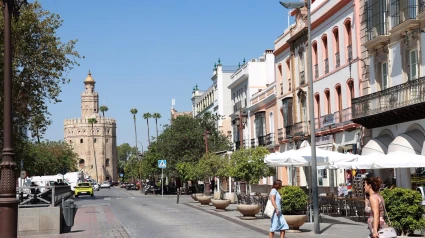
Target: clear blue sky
{"x": 144, "y": 53}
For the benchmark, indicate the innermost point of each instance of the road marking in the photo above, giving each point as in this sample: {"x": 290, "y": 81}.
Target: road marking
{"x": 107, "y": 198}
{"x": 119, "y": 198}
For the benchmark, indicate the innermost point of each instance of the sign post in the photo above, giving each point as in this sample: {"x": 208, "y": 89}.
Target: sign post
{"x": 162, "y": 164}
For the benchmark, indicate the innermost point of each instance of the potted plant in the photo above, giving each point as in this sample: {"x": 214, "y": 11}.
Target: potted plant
{"x": 248, "y": 165}
{"x": 405, "y": 210}
{"x": 294, "y": 206}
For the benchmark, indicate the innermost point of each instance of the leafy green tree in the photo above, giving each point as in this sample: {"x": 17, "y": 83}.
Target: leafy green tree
{"x": 49, "y": 158}
{"x": 146, "y": 116}
{"x": 41, "y": 62}
{"x": 248, "y": 165}
{"x": 125, "y": 153}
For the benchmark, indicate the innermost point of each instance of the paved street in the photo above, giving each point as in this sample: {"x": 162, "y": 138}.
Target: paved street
{"x": 117, "y": 212}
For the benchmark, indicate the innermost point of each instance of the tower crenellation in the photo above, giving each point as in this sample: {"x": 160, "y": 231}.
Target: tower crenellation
{"x": 94, "y": 144}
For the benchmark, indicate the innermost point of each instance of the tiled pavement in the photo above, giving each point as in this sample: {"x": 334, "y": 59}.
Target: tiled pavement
{"x": 93, "y": 221}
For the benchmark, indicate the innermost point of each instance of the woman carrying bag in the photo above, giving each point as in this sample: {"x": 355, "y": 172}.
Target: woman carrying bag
{"x": 278, "y": 222}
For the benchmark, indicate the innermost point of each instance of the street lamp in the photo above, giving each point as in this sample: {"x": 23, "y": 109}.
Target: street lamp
{"x": 8, "y": 201}
{"x": 293, "y": 5}
{"x": 242, "y": 118}
{"x": 141, "y": 158}
{"x": 206, "y": 136}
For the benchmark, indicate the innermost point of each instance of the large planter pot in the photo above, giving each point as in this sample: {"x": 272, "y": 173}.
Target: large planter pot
{"x": 248, "y": 210}
{"x": 193, "y": 195}
{"x": 295, "y": 221}
{"x": 220, "y": 205}
{"x": 204, "y": 200}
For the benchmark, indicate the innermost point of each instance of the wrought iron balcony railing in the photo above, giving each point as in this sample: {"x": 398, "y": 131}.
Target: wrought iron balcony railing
{"x": 269, "y": 138}
{"x": 253, "y": 143}
{"x": 328, "y": 120}
{"x": 337, "y": 117}
{"x": 376, "y": 21}
{"x": 399, "y": 16}
{"x": 300, "y": 128}
{"x": 288, "y": 132}
{"x": 399, "y": 96}
{"x": 280, "y": 134}
{"x": 350, "y": 52}
{"x": 337, "y": 61}
{"x": 261, "y": 140}
{"x": 316, "y": 71}
{"x": 346, "y": 115}
{"x": 302, "y": 78}
{"x": 326, "y": 65}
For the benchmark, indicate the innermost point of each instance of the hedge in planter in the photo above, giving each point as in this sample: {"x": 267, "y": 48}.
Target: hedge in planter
{"x": 294, "y": 200}
{"x": 404, "y": 209}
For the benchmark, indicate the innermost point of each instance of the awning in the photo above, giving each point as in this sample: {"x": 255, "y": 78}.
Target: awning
{"x": 377, "y": 145}
{"x": 409, "y": 142}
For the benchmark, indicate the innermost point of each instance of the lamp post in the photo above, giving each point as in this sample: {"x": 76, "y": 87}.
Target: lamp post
{"x": 207, "y": 183}
{"x": 141, "y": 158}
{"x": 240, "y": 123}
{"x": 293, "y": 5}
{"x": 8, "y": 201}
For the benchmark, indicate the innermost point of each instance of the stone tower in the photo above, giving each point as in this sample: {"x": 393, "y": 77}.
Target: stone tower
{"x": 97, "y": 144}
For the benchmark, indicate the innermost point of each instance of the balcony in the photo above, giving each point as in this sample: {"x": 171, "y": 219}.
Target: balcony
{"x": 346, "y": 115}
{"x": 270, "y": 138}
{"x": 401, "y": 103}
{"x": 302, "y": 78}
{"x": 261, "y": 140}
{"x": 328, "y": 120}
{"x": 288, "y": 132}
{"x": 337, "y": 60}
{"x": 253, "y": 143}
{"x": 350, "y": 52}
{"x": 326, "y": 65}
{"x": 300, "y": 128}
{"x": 264, "y": 94}
{"x": 239, "y": 105}
{"x": 405, "y": 14}
{"x": 316, "y": 71}
{"x": 337, "y": 118}
{"x": 376, "y": 23}
{"x": 280, "y": 134}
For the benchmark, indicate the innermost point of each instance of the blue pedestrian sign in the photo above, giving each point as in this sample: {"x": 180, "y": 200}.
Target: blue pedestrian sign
{"x": 162, "y": 164}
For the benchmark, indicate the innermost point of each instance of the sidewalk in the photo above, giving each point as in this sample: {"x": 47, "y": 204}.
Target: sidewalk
{"x": 93, "y": 221}
{"x": 329, "y": 226}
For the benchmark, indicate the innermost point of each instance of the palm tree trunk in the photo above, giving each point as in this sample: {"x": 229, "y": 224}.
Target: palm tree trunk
{"x": 94, "y": 153}
{"x": 149, "y": 137}
{"x": 156, "y": 122}
{"x": 135, "y": 131}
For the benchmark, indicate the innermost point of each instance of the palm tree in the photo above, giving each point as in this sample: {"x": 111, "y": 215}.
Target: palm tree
{"x": 134, "y": 112}
{"x": 93, "y": 121}
{"x": 156, "y": 116}
{"x": 146, "y": 116}
{"x": 104, "y": 109}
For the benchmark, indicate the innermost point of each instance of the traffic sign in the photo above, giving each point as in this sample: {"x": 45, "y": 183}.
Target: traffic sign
{"x": 162, "y": 164}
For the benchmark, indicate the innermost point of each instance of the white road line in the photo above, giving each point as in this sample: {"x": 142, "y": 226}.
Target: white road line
{"x": 107, "y": 199}
{"x": 119, "y": 198}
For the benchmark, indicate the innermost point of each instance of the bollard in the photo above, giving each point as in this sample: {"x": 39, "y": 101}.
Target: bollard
{"x": 178, "y": 195}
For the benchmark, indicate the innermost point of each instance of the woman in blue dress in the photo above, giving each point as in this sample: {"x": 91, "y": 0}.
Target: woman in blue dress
{"x": 278, "y": 222}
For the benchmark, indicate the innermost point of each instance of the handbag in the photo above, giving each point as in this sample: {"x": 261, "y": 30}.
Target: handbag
{"x": 269, "y": 210}
{"x": 387, "y": 232}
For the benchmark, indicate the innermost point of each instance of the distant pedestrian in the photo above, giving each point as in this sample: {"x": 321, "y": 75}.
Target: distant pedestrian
{"x": 278, "y": 222}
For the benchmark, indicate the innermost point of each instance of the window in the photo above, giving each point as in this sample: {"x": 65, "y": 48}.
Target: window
{"x": 315, "y": 61}
{"x": 107, "y": 162}
{"x": 280, "y": 77}
{"x": 288, "y": 74}
{"x": 81, "y": 140}
{"x": 413, "y": 64}
{"x": 271, "y": 122}
{"x": 328, "y": 102}
{"x": 336, "y": 47}
{"x": 107, "y": 140}
{"x": 384, "y": 72}
{"x": 303, "y": 110}
{"x": 81, "y": 161}
{"x": 350, "y": 85}
{"x": 260, "y": 123}
{"x": 94, "y": 140}
{"x": 348, "y": 40}
{"x": 287, "y": 111}
{"x": 339, "y": 103}
{"x": 317, "y": 109}
{"x": 301, "y": 66}
{"x": 325, "y": 53}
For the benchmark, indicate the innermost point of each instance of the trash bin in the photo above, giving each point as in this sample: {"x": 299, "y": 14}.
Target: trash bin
{"x": 69, "y": 209}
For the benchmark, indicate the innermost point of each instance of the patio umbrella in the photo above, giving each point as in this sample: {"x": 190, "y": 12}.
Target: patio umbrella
{"x": 302, "y": 157}
{"x": 383, "y": 161}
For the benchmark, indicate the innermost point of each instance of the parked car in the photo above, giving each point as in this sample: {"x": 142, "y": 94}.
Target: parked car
{"x": 84, "y": 188}
{"x": 95, "y": 185}
{"x": 105, "y": 184}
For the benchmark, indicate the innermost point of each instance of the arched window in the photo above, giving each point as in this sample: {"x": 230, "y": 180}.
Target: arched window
{"x": 288, "y": 74}
{"x": 271, "y": 122}
{"x": 107, "y": 162}
{"x": 350, "y": 87}
{"x": 81, "y": 141}
{"x": 325, "y": 53}
{"x": 338, "y": 102}
{"x": 315, "y": 60}
{"x": 81, "y": 161}
{"x": 317, "y": 109}
{"x": 336, "y": 47}
{"x": 327, "y": 101}
{"x": 280, "y": 78}
{"x": 348, "y": 39}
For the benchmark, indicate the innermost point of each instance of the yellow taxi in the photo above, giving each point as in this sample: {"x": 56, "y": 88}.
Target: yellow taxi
{"x": 83, "y": 188}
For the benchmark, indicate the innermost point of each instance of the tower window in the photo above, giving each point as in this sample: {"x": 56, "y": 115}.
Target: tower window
{"x": 107, "y": 163}
{"x": 81, "y": 140}
{"x": 95, "y": 110}
{"x": 107, "y": 140}
{"x": 94, "y": 140}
